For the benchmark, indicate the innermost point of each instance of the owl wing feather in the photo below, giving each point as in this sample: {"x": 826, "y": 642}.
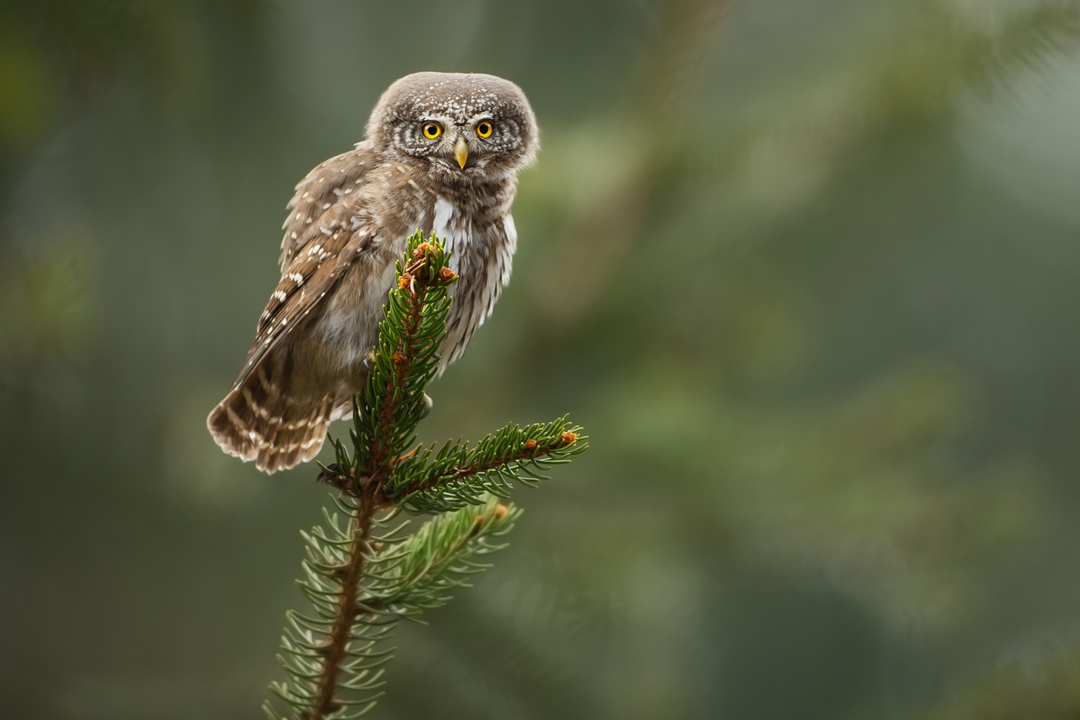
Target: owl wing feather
{"x": 321, "y": 190}
{"x": 307, "y": 280}
{"x": 324, "y": 235}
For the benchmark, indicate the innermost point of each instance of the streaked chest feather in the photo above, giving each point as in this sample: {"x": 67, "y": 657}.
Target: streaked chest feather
{"x": 481, "y": 256}
{"x": 481, "y": 253}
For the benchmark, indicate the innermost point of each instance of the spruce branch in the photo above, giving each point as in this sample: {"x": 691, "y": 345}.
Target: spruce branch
{"x": 458, "y": 475}
{"x": 363, "y": 573}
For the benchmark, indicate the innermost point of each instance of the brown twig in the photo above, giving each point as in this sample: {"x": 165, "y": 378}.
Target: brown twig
{"x": 401, "y": 360}
{"x": 338, "y": 640}
{"x": 530, "y": 450}
{"x": 416, "y": 281}
{"x": 367, "y": 492}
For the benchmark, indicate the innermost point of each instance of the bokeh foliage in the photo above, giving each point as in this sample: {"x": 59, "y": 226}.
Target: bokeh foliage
{"x": 806, "y": 270}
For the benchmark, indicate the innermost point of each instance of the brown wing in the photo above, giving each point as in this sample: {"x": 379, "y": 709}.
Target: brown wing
{"x": 314, "y": 271}
{"x": 324, "y": 234}
{"x": 330, "y": 182}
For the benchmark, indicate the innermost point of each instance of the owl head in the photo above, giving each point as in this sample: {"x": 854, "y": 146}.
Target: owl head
{"x": 465, "y": 127}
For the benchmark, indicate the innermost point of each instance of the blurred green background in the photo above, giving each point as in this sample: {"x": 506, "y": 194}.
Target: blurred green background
{"x": 807, "y": 272}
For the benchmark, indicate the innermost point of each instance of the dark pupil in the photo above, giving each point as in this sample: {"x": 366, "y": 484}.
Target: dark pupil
{"x": 429, "y": 129}
{"x": 485, "y": 129}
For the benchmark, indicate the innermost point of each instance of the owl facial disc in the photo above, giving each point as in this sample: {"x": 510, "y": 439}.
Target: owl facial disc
{"x": 470, "y": 128}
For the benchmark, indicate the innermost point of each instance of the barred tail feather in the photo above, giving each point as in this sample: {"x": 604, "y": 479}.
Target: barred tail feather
{"x": 257, "y": 422}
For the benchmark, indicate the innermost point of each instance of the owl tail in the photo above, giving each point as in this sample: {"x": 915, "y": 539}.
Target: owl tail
{"x": 256, "y": 421}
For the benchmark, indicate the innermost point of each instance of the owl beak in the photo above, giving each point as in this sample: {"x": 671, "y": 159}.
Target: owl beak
{"x": 461, "y": 152}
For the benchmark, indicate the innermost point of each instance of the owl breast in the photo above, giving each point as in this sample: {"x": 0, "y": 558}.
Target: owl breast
{"x": 481, "y": 241}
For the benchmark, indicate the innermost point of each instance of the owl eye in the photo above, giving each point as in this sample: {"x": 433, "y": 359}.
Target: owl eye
{"x": 432, "y": 130}
{"x": 484, "y": 129}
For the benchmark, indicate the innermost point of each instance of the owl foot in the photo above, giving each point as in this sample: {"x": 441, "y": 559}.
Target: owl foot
{"x": 335, "y": 476}
{"x": 406, "y": 456}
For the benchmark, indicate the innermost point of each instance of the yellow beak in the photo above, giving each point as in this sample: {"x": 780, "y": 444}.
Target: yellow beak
{"x": 461, "y": 152}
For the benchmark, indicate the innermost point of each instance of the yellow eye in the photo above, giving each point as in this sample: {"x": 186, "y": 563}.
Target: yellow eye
{"x": 432, "y": 130}
{"x": 484, "y": 129}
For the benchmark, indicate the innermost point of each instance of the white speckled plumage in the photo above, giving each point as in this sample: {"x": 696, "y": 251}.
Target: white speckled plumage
{"x": 347, "y": 225}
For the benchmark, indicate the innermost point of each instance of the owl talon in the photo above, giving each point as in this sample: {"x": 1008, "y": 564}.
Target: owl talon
{"x": 428, "y": 404}
{"x": 334, "y": 476}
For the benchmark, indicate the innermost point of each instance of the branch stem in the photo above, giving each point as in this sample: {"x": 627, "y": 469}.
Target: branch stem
{"x": 539, "y": 450}
{"x": 403, "y": 357}
{"x": 338, "y": 640}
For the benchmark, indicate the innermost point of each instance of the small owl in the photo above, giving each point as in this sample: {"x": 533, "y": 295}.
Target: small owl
{"x": 442, "y": 155}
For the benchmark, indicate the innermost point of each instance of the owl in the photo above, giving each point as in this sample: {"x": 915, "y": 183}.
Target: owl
{"x": 442, "y": 154}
